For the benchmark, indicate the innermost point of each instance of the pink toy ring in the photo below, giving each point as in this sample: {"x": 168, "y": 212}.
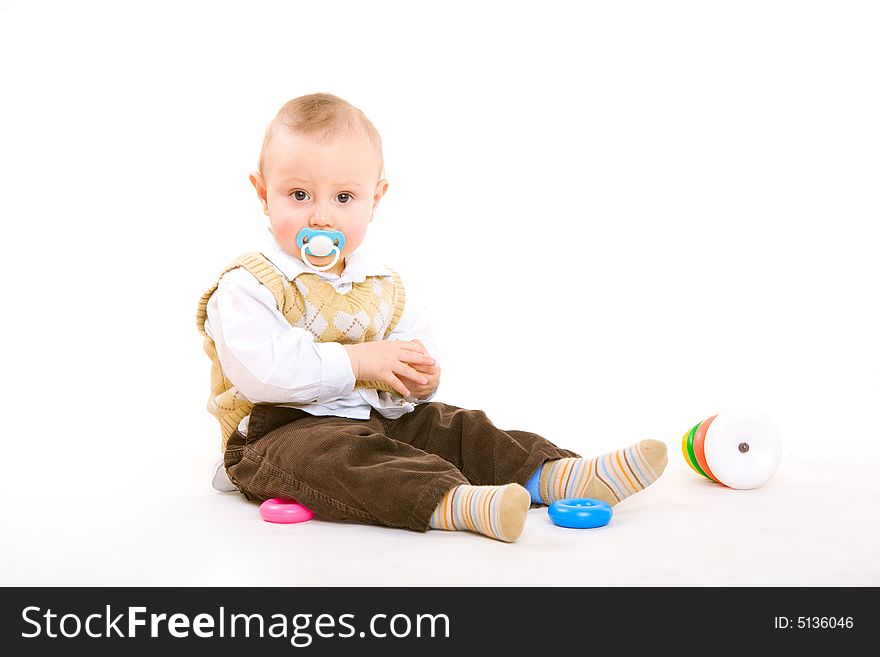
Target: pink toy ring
{"x": 280, "y": 510}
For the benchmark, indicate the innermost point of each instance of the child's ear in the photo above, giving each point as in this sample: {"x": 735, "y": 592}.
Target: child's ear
{"x": 381, "y": 188}
{"x": 260, "y": 185}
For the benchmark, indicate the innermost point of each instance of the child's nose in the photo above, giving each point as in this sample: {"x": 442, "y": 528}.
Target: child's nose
{"x": 320, "y": 220}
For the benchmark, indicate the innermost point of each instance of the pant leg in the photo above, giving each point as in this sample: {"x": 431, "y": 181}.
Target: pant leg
{"x": 338, "y": 467}
{"x": 467, "y": 439}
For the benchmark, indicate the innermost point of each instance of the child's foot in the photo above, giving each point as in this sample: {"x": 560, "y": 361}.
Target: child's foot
{"x": 611, "y": 477}
{"x": 495, "y": 511}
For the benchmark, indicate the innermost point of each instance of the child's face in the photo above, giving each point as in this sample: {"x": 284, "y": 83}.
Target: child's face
{"x": 325, "y": 185}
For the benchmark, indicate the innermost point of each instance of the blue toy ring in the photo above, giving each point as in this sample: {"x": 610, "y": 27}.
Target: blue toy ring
{"x": 580, "y": 512}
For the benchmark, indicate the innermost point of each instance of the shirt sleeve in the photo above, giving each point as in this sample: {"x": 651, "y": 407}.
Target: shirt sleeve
{"x": 266, "y": 358}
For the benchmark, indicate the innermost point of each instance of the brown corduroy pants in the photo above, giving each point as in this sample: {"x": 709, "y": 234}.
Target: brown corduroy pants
{"x": 378, "y": 471}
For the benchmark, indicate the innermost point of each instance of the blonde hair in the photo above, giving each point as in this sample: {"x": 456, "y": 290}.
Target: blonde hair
{"x": 325, "y": 115}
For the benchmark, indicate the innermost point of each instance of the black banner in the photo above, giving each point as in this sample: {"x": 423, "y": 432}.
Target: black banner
{"x": 428, "y": 621}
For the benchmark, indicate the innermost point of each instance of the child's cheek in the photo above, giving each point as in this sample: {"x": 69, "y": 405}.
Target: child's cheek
{"x": 355, "y": 235}
{"x": 285, "y": 227}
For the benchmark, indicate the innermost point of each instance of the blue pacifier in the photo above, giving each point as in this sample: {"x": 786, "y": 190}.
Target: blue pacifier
{"x": 580, "y": 512}
{"x": 319, "y": 244}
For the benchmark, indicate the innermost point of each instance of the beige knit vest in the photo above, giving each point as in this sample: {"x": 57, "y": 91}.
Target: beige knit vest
{"x": 370, "y": 311}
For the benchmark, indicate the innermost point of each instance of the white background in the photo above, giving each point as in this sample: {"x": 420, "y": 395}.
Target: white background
{"x": 625, "y": 216}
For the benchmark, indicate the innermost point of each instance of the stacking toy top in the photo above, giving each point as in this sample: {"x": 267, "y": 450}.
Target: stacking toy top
{"x": 739, "y": 449}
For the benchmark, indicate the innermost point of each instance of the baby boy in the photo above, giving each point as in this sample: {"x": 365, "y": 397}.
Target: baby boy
{"x": 322, "y": 370}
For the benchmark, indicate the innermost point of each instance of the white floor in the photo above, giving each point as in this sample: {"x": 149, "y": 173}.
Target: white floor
{"x": 814, "y": 523}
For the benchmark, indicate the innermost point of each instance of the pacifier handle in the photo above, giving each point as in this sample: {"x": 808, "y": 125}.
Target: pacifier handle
{"x": 306, "y": 260}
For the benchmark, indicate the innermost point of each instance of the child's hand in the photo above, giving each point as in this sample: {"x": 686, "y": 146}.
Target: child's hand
{"x": 390, "y": 361}
{"x": 431, "y": 372}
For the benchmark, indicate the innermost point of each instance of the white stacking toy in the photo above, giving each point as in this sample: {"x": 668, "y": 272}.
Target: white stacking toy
{"x": 738, "y": 449}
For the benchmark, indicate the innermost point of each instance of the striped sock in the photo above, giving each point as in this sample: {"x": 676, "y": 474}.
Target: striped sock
{"x": 611, "y": 477}
{"x": 495, "y": 511}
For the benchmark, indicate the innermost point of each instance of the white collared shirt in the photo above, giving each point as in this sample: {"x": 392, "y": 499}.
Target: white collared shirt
{"x": 271, "y": 361}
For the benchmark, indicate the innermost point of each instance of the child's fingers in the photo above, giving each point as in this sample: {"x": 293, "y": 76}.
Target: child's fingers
{"x": 412, "y": 383}
{"x": 430, "y": 370}
{"x": 405, "y": 371}
{"x": 414, "y": 345}
{"x": 414, "y": 358}
{"x": 427, "y": 353}
{"x": 398, "y": 387}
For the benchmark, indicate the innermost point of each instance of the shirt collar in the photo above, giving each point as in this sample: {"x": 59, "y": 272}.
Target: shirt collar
{"x": 358, "y": 265}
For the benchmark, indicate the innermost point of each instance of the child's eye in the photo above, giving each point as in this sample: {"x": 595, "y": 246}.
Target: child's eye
{"x": 299, "y": 195}
{"x": 344, "y": 197}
